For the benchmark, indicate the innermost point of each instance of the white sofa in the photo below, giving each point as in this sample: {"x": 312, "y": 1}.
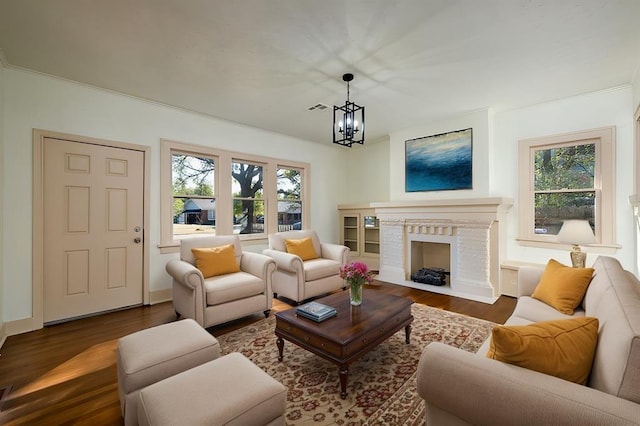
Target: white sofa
{"x": 461, "y": 388}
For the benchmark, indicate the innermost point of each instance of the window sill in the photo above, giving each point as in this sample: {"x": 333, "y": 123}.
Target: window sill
{"x": 174, "y": 246}
{"x": 591, "y": 248}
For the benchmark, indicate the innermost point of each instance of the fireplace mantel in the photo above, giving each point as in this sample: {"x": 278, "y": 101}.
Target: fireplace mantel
{"x": 474, "y": 228}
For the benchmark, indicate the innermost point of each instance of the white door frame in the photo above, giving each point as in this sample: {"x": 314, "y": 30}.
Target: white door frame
{"x": 37, "y": 314}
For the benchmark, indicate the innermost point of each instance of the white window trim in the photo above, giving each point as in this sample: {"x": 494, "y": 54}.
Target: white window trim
{"x": 222, "y": 191}
{"x": 604, "y": 184}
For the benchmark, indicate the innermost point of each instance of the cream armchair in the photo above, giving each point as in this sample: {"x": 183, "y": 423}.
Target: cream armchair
{"x": 299, "y": 280}
{"x": 222, "y": 298}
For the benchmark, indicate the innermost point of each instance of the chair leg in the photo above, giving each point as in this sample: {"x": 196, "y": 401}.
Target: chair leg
{"x": 266, "y": 313}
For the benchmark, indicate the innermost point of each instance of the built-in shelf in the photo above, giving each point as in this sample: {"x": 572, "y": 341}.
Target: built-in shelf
{"x": 360, "y": 231}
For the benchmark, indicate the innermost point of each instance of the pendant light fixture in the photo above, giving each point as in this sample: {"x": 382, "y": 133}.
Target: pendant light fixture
{"x": 348, "y": 121}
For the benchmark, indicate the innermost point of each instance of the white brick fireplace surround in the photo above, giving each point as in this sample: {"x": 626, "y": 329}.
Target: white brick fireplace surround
{"x": 474, "y": 230}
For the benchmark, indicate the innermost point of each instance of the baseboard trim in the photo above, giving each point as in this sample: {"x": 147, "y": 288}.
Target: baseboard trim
{"x": 160, "y": 296}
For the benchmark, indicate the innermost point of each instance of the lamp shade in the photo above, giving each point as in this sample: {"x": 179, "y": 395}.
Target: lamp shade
{"x": 576, "y": 232}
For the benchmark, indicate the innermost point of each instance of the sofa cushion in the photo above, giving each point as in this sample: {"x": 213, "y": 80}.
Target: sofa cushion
{"x": 320, "y": 268}
{"x": 230, "y": 287}
{"x": 214, "y": 261}
{"x": 562, "y": 348}
{"x": 563, "y": 287}
{"x": 302, "y": 247}
{"x": 535, "y": 310}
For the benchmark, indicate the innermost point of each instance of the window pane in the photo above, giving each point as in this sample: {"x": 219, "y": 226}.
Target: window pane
{"x": 248, "y": 216}
{"x": 289, "y": 183}
{"x": 552, "y": 208}
{"x": 247, "y": 190}
{"x": 193, "y": 175}
{"x": 193, "y": 190}
{"x": 569, "y": 167}
{"x": 289, "y": 215}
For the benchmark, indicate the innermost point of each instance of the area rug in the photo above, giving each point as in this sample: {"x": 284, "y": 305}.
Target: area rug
{"x": 382, "y": 384}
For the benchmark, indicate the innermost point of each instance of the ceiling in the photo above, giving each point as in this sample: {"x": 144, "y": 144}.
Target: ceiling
{"x": 265, "y": 62}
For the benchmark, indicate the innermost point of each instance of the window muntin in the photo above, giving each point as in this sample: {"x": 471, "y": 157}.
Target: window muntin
{"x": 248, "y": 197}
{"x": 289, "y": 194}
{"x": 193, "y": 188}
{"x": 564, "y": 179}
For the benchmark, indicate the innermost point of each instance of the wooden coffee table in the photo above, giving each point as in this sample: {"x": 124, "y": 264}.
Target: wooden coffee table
{"x": 352, "y": 333}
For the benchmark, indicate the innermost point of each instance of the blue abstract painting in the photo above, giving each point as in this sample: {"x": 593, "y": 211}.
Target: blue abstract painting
{"x": 440, "y": 162}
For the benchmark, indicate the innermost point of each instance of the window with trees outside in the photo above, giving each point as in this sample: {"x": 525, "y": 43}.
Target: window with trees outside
{"x": 212, "y": 191}
{"x": 569, "y": 176}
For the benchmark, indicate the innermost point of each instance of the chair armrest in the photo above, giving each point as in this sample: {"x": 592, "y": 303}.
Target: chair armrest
{"x": 528, "y": 279}
{"x": 257, "y": 264}
{"x": 286, "y": 261}
{"x": 185, "y": 273}
{"x": 335, "y": 252}
{"x": 483, "y": 391}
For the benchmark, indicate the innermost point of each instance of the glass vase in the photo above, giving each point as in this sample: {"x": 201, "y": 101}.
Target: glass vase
{"x": 355, "y": 293}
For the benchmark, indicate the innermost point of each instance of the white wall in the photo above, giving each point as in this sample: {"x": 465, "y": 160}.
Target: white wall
{"x": 495, "y": 159}
{"x": 479, "y": 121}
{"x": 36, "y": 101}
{"x": 599, "y": 109}
{"x": 368, "y": 172}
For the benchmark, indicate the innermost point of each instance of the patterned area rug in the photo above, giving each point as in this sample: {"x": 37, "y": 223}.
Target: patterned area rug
{"x": 382, "y": 384}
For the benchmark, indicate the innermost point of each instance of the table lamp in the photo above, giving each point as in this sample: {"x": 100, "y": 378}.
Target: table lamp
{"x": 576, "y": 232}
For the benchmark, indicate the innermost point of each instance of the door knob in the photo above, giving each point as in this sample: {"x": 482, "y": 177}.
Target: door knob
{"x": 137, "y": 240}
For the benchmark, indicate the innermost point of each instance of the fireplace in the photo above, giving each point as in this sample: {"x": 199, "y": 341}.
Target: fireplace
{"x": 432, "y": 257}
{"x": 464, "y": 237}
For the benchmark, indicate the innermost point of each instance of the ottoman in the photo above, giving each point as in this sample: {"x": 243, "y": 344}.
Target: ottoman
{"x": 150, "y": 355}
{"x": 231, "y": 390}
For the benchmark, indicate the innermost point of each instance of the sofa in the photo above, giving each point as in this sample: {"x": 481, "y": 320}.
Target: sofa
{"x": 234, "y": 284}
{"x": 461, "y": 388}
{"x": 300, "y": 278}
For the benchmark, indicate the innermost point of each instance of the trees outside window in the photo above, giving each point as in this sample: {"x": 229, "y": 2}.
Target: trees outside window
{"x": 248, "y": 203}
{"x": 193, "y": 183}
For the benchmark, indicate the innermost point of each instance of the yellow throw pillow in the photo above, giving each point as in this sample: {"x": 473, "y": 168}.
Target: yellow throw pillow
{"x": 562, "y": 348}
{"x": 214, "y": 261}
{"x": 563, "y": 287}
{"x": 302, "y": 247}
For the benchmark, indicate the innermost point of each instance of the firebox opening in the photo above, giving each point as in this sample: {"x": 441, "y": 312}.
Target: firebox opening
{"x": 431, "y": 255}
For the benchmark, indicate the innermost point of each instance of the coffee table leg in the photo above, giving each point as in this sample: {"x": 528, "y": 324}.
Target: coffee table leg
{"x": 344, "y": 377}
{"x": 407, "y": 334}
{"x": 280, "y": 343}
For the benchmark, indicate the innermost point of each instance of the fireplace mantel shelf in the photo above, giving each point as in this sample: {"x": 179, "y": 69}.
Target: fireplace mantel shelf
{"x": 460, "y": 202}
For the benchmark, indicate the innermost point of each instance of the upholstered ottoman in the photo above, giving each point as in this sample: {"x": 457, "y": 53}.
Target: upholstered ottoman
{"x": 228, "y": 391}
{"x": 150, "y": 355}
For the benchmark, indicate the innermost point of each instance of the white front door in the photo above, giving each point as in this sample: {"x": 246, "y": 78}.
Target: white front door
{"x": 93, "y": 220}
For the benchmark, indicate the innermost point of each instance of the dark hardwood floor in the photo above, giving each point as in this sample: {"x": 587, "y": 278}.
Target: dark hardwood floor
{"x": 66, "y": 373}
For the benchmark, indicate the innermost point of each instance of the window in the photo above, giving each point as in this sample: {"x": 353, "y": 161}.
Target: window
{"x": 193, "y": 186}
{"x": 248, "y": 200}
{"x": 289, "y": 190}
{"x": 568, "y": 176}
{"x": 211, "y": 191}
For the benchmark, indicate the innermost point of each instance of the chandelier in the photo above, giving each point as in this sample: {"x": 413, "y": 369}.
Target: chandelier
{"x": 348, "y": 121}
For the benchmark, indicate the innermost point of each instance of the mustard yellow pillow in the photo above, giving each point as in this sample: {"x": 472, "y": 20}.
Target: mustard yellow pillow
{"x": 562, "y": 348}
{"x": 214, "y": 261}
{"x": 302, "y": 247}
{"x": 563, "y": 287}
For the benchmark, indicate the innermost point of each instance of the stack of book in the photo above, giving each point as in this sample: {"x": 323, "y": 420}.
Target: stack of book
{"x": 316, "y": 311}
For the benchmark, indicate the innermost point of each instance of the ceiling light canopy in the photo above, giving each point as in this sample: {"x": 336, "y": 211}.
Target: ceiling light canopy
{"x": 348, "y": 121}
